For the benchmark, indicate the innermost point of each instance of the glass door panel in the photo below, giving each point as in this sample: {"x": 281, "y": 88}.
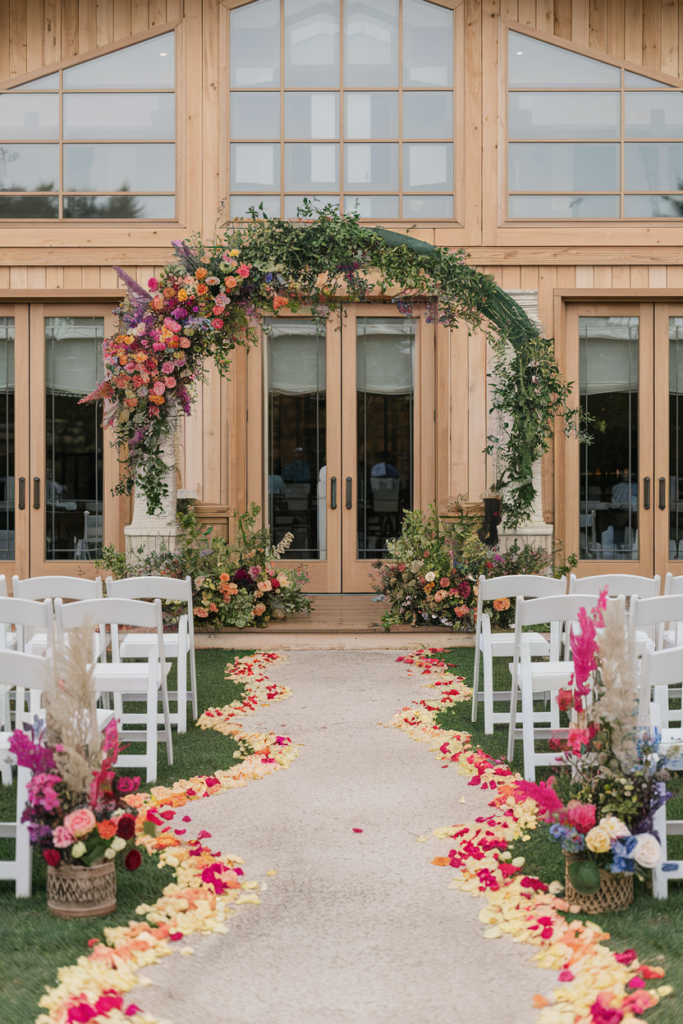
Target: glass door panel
{"x": 675, "y": 473}
{"x": 7, "y": 478}
{"x": 385, "y": 371}
{"x": 668, "y": 414}
{"x": 610, "y": 518}
{"x": 14, "y": 441}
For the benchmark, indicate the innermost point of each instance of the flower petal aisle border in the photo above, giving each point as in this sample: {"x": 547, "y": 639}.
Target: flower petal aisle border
{"x": 208, "y": 884}
{"x": 601, "y": 987}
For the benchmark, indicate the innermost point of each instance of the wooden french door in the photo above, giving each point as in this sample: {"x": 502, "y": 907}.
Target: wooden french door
{"x": 624, "y": 492}
{"x": 349, "y": 439}
{"x": 56, "y": 468}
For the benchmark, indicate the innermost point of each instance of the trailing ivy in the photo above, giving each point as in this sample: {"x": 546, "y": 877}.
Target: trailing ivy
{"x": 323, "y": 260}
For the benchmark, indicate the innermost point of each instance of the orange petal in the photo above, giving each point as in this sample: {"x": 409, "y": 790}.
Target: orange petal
{"x": 539, "y": 1002}
{"x": 441, "y": 862}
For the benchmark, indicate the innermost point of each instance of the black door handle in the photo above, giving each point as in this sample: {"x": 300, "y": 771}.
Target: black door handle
{"x": 349, "y": 492}
{"x": 662, "y": 492}
{"x": 36, "y": 492}
{"x": 333, "y": 492}
{"x": 22, "y": 493}
{"x": 646, "y": 495}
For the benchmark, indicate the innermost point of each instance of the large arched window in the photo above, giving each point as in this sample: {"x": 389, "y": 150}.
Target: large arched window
{"x": 93, "y": 140}
{"x": 346, "y": 101}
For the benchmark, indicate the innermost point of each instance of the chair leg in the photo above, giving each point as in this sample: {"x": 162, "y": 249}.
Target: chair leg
{"x": 193, "y": 680}
{"x": 660, "y": 884}
{"x": 181, "y": 669}
{"x": 23, "y": 850}
{"x": 5, "y": 768}
{"x": 514, "y": 697}
{"x": 151, "y": 753}
{"x": 488, "y": 691}
{"x": 528, "y": 728}
{"x": 167, "y": 717}
{"x": 475, "y": 681}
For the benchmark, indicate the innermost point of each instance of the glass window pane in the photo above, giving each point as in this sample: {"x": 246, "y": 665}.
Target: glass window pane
{"x": 293, "y": 205}
{"x": 35, "y": 207}
{"x": 151, "y": 63}
{"x": 46, "y": 82}
{"x": 653, "y": 206}
{"x": 29, "y": 117}
{"x": 654, "y": 115}
{"x": 73, "y": 470}
{"x": 297, "y": 436}
{"x": 632, "y": 81}
{"x": 564, "y": 206}
{"x": 608, "y": 388}
{"x": 649, "y": 166}
{"x": 255, "y": 115}
{"x": 144, "y": 115}
{"x": 119, "y": 168}
{"x": 7, "y": 493}
{"x": 563, "y": 166}
{"x": 312, "y": 166}
{"x": 312, "y": 43}
{"x": 120, "y": 207}
{"x": 29, "y": 168}
{"x": 311, "y": 115}
{"x": 427, "y": 44}
{"x": 372, "y": 206}
{"x": 428, "y": 206}
{"x": 371, "y": 43}
{"x": 371, "y": 115}
{"x": 371, "y": 166}
{"x": 535, "y": 64}
{"x": 385, "y": 359}
{"x": 428, "y": 115}
{"x": 675, "y": 437}
{"x": 255, "y": 45}
{"x": 427, "y": 167}
{"x": 240, "y": 205}
{"x": 564, "y": 115}
{"x": 254, "y": 167}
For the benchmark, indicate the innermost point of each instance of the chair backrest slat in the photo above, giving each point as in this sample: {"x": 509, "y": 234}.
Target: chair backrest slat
{"x": 23, "y": 670}
{"x": 673, "y": 584}
{"x": 653, "y": 610}
{"x": 112, "y": 611}
{"x": 520, "y": 586}
{"x": 34, "y": 614}
{"x": 141, "y": 587}
{"x": 662, "y": 668}
{"x": 563, "y": 608}
{"x": 618, "y": 584}
{"x": 69, "y": 588}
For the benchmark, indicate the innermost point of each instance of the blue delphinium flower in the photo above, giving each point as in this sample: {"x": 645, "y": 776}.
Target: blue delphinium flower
{"x": 268, "y": 278}
{"x": 621, "y": 855}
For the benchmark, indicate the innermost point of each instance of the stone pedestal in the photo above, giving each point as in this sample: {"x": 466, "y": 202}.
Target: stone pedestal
{"x": 156, "y": 532}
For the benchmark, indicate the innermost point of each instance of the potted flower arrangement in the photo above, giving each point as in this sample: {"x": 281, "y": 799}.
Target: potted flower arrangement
{"x": 77, "y": 812}
{"x": 611, "y": 781}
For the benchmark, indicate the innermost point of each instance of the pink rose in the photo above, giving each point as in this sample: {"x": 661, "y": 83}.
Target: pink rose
{"x": 171, "y": 325}
{"x": 581, "y": 816}
{"x": 243, "y": 270}
{"x": 80, "y": 822}
{"x": 169, "y": 382}
{"x": 185, "y": 342}
{"x": 158, "y": 388}
{"x": 159, "y": 346}
{"x": 61, "y": 837}
{"x": 264, "y": 586}
{"x": 168, "y": 367}
{"x": 153, "y": 283}
{"x": 217, "y": 323}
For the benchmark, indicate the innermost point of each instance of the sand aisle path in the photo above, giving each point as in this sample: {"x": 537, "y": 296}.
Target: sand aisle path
{"x": 356, "y": 927}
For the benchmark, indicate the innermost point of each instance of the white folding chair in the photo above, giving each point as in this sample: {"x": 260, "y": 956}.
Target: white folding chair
{"x": 30, "y": 672}
{"x": 652, "y": 614}
{"x": 23, "y": 615}
{"x": 176, "y": 645}
{"x": 673, "y": 636}
{"x": 489, "y": 645}
{"x": 139, "y": 681}
{"x": 69, "y": 588}
{"x": 532, "y": 679}
{"x": 618, "y": 584}
{"x": 660, "y": 671}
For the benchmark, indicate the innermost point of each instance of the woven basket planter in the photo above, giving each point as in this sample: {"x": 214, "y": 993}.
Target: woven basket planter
{"x": 615, "y": 892}
{"x": 74, "y": 891}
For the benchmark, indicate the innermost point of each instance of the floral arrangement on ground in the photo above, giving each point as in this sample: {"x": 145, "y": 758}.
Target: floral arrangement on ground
{"x": 432, "y": 575}
{"x": 236, "y": 584}
{"x": 208, "y": 886}
{"x": 597, "y": 985}
{"x": 216, "y": 296}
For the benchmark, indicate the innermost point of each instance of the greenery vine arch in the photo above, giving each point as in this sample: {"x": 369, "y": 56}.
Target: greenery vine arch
{"x": 216, "y": 296}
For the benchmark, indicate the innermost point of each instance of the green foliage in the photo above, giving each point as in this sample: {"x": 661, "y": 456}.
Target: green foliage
{"x": 434, "y": 569}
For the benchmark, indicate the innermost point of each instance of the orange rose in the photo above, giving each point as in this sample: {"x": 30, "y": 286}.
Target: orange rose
{"x": 200, "y": 273}
{"x": 259, "y": 608}
{"x": 202, "y": 289}
{"x": 157, "y": 399}
{"x": 230, "y": 282}
{"x": 169, "y": 293}
{"x": 502, "y": 604}
{"x": 106, "y": 829}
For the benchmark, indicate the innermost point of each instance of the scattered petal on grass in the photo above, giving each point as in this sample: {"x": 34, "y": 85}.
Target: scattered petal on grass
{"x": 421, "y": 839}
{"x": 462, "y": 800}
{"x": 187, "y": 951}
{"x": 539, "y": 1002}
{"x": 358, "y": 830}
{"x": 271, "y": 872}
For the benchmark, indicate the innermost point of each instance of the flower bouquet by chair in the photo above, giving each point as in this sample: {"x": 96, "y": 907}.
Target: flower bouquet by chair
{"x": 602, "y": 801}
{"x": 77, "y": 812}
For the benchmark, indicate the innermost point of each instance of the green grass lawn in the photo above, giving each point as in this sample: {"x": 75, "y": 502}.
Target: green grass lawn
{"x": 33, "y": 944}
{"x": 654, "y": 928}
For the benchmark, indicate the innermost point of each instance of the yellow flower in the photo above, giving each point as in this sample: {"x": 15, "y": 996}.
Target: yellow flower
{"x": 598, "y": 840}
{"x": 234, "y": 252}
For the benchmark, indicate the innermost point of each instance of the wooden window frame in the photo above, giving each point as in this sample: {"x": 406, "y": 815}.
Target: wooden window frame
{"x": 460, "y": 207}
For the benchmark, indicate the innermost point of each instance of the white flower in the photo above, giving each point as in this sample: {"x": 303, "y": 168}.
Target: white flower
{"x": 555, "y": 888}
{"x": 614, "y": 827}
{"x": 648, "y": 852}
{"x": 110, "y": 853}
{"x": 430, "y": 577}
{"x": 77, "y": 850}
{"x": 117, "y": 844}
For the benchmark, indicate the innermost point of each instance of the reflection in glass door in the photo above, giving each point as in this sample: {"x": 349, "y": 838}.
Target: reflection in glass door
{"x": 385, "y": 358}
{"x": 609, "y": 385}
{"x": 74, "y": 513}
{"x": 675, "y": 538}
{"x": 7, "y": 484}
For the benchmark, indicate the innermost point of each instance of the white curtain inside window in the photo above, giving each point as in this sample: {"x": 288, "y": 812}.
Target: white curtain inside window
{"x": 608, "y": 355}
{"x": 296, "y": 355}
{"x": 385, "y": 356}
{"x": 6, "y": 357}
{"x": 73, "y": 356}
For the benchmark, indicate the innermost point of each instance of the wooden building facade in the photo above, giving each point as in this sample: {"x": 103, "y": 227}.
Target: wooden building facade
{"x": 543, "y": 136}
